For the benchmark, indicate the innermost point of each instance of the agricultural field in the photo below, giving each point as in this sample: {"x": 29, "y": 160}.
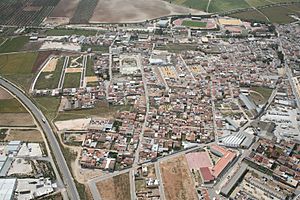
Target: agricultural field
{"x": 276, "y": 14}
{"x": 72, "y": 80}
{"x": 48, "y": 105}
{"x": 19, "y": 63}
{"x": 192, "y": 23}
{"x": 226, "y": 5}
{"x": 30, "y": 135}
{"x": 49, "y": 78}
{"x": 116, "y": 188}
{"x": 84, "y": 12}
{"x": 21, "y": 119}
{"x": 13, "y": 44}
{"x": 177, "y": 180}
{"x": 196, "y": 4}
{"x": 117, "y": 11}
{"x": 18, "y": 68}
{"x": 251, "y": 15}
{"x": 25, "y": 12}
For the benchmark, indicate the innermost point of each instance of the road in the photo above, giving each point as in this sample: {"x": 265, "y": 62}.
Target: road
{"x": 61, "y": 162}
{"x": 63, "y": 73}
{"x": 161, "y": 186}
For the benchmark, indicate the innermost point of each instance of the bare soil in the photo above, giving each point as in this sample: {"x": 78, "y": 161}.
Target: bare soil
{"x": 116, "y": 11}
{"x": 16, "y": 119}
{"x": 4, "y": 94}
{"x": 32, "y": 135}
{"x": 116, "y": 188}
{"x": 177, "y": 180}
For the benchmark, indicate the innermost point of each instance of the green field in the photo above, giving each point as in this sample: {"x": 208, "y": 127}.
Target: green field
{"x": 252, "y": 15}
{"x": 191, "y": 23}
{"x": 280, "y": 14}
{"x": 11, "y": 106}
{"x": 62, "y": 32}
{"x": 72, "y": 80}
{"x": 276, "y": 14}
{"x": 49, "y": 80}
{"x": 101, "y": 110}
{"x": 48, "y": 105}
{"x": 226, "y": 5}
{"x": 19, "y": 63}
{"x": 14, "y": 44}
{"x": 90, "y": 67}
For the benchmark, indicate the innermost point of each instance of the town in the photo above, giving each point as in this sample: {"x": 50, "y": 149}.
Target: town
{"x": 176, "y": 108}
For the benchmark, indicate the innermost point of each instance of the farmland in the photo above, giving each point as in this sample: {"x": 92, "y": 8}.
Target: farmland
{"x": 276, "y": 14}
{"x": 25, "y": 12}
{"x": 84, "y": 11}
{"x": 11, "y": 106}
{"x": 20, "y": 63}
{"x": 115, "y": 188}
{"x": 18, "y": 68}
{"x": 49, "y": 80}
{"x": 13, "y": 44}
{"x": 191, "y": 23}
{"x": 227, "y": 5}
{"x": 30, "y": 135}
{"x": 178, "y": 183}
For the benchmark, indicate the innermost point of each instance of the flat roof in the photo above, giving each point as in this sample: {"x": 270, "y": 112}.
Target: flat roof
{"x": 7, "y": 187}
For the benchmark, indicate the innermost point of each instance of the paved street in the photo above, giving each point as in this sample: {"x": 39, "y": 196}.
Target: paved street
{"x": 61, "y": 162}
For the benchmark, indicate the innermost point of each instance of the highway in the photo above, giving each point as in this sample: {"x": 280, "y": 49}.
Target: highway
{"x": 61, "y": 162}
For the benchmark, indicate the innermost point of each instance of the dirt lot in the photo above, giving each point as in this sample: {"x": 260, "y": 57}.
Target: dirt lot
{"x": 116, "y": 188}
{"x": 32, "y": 135}
{"x": 89, "y": 79}
{"x": 51, "y": 65}
{"x": 114, "y": 11}
{"x": 178, "y": 183}
{"x": 73, "y": 70}
{"x": 13, "y": 119}
{"x": 76, "y": 124}
{"x": 4, "y": 94}
{"x": 65, "y": 8}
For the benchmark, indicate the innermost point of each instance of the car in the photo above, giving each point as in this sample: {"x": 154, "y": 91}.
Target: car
{"x": 44, "y": 120}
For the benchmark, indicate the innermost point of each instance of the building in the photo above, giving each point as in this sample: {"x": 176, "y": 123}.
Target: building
{"x": 7, "y": 188}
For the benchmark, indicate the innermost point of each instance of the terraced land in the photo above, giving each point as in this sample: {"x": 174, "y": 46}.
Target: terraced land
{"x": 25, "y": 12}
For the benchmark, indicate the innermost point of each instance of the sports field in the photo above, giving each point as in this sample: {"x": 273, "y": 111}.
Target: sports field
{"x": 191, "y": 23}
